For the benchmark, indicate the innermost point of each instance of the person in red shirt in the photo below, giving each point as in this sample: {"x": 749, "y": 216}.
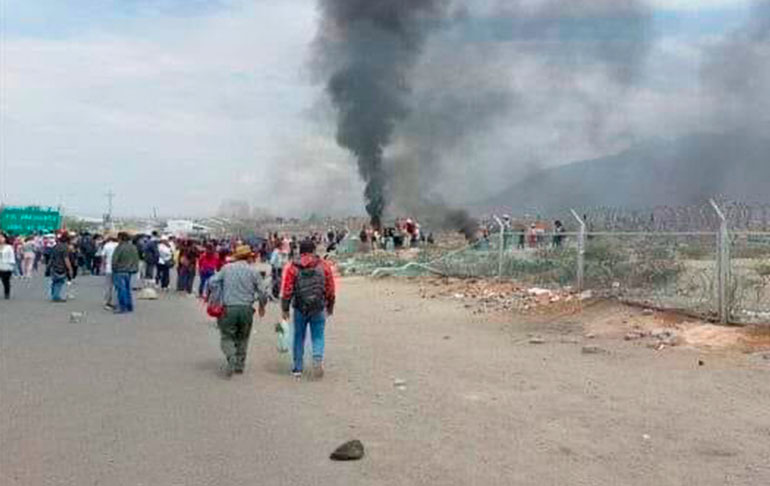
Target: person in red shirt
{"x": 208, "y": 264}
{"x": 308, "y": 287}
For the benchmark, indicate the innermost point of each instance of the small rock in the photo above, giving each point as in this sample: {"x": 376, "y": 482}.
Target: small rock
{"x": 701, "y": 362}
{"x": 399, "y": 383}
{"x": 349, "y": 451}
{"x": 648, "y": 312}
{"x": 537, "y": 340}
{"x": 633, "y": 335}
{"x": 593, "y": 350}
{"x": 447, "y": 338}
{"x": 646, "y": 437}
{"x": 590, "y": 335}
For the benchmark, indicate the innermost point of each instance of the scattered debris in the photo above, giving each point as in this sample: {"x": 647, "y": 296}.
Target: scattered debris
{"x": 537, "y": 340}
{"x": 648, "y": 312}
{"x": 483, "y": 296}
{"x": 538, "y": 292}
{"x": 586, "y": 295}
{"x": 634, "y": 335}
{"x": 399, "y": 384}
{"x": 593, "y": 350}
{"x": 701, "y": 362}
{"x": 349, "y": 451}
{"x": 77, "y": 317}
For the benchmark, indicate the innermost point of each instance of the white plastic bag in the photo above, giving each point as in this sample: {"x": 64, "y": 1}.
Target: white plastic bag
{"x": 285, "y": 336}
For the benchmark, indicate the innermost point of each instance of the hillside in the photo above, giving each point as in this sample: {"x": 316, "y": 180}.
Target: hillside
{"x": 684, "y": 171}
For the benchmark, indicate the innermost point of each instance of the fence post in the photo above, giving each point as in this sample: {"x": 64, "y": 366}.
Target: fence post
{"x": 581, "y": 251}
{"x": 723, "y": 265}
{"x": 502, "y": 248}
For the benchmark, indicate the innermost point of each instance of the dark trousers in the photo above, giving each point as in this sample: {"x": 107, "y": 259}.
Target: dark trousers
{"x": 5, "y": 277}
{"x": 277, "y": 277}
{"x": 235, "y": 327}
{"x": 149, "y": 271}
{"x": 96, "y": 265}
{"x": 185, "y": 278}
{"x": 163, "y": 275}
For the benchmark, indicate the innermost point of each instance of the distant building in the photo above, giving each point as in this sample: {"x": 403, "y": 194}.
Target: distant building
{"x": 185, "y": 227}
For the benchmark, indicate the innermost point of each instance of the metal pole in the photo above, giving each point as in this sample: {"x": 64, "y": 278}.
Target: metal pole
{"x": 502, "y": 248}
{"x": 581, "y": 251}
{"x": 723, "y": 265}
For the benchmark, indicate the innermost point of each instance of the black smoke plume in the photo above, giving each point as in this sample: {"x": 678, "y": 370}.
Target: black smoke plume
{"x": 451, "y": 88}
{"x": 368, "y": 48}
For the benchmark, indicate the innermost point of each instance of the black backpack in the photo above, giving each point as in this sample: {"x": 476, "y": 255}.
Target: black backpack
{"x": 310, "y": 290}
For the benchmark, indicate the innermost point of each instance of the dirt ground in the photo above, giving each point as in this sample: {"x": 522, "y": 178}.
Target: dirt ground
{"x": 497, "y": 398}
{"x": 439, "y": 394}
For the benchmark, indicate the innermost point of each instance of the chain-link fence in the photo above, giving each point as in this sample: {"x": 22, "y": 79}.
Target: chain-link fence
{"x": 663, "y": 270}
{"x": 749, "y": 284}
{"x": 676, "y": 271}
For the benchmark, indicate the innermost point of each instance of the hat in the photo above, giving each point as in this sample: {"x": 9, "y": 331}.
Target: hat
{"x": 243, "y": 252}
{"x": 306, "y": 246}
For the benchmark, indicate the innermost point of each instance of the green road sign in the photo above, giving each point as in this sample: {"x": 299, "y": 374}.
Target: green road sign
{"x": 27, "y": 220}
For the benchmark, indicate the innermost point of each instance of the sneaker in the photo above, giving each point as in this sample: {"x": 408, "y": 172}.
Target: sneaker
{"x": 297, "y": 375}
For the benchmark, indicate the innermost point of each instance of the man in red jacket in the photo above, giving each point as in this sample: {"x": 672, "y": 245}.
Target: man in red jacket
{"x": 308, "y": 286}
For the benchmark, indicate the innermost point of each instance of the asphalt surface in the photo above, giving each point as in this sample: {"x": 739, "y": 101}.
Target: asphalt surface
{"x": 139, "y": 400}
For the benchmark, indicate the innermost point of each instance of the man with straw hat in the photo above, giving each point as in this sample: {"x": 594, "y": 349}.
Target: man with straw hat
{"x": 238, "y": 284}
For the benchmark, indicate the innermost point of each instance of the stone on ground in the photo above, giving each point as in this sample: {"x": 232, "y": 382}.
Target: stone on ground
{"x": 349, "y": 451}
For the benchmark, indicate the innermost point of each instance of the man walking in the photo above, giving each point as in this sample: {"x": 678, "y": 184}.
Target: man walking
{"x": 106, "y": 253}
{"x": 238, "y": 285}
{"x": 125, "y": 263}
{"x": 151, "y": 257}
{"x": 308, "y": 284}
{"x": 60, "y": 267}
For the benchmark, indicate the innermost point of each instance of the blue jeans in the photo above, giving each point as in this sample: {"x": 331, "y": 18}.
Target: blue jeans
{"x": 122, "y": 282}
{"x": 317, "y": 323}
{"x": 205, "y": 276}
{"x": 57, "y": 284}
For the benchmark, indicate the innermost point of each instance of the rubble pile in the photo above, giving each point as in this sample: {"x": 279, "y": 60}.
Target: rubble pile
{"x": 493, "y": 296}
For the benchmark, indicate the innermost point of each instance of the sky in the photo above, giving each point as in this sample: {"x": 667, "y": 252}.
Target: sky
{"x": 177, "y": 105}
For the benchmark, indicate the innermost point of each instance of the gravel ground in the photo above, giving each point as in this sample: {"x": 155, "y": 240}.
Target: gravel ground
{"x": 487, "y": 400}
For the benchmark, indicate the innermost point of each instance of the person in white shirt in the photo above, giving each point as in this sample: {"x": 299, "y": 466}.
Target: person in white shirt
{"x": 7, "y": 264}
{"x": 106, "y": 254}
{"x": 165, "y": 262}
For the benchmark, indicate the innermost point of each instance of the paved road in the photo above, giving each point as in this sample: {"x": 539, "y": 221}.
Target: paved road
{"x": 138, "y": 400}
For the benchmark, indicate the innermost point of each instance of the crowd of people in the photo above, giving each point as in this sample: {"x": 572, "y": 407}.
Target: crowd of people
{"x": 301, "y": 280}
{"x": 404, "y": 233}
{"x": 523, "y": 236}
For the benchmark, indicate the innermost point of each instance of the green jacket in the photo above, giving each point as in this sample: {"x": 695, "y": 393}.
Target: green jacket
{"x": 125, "y": 259}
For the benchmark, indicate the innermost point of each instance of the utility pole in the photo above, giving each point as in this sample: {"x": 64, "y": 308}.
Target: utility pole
{"x": 110, "y": 196}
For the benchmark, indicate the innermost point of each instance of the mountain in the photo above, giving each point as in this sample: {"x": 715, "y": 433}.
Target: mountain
{"x": 683, "y": 171}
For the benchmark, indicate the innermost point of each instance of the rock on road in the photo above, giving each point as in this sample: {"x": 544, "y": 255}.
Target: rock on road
{"x": 138, "y": 400}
